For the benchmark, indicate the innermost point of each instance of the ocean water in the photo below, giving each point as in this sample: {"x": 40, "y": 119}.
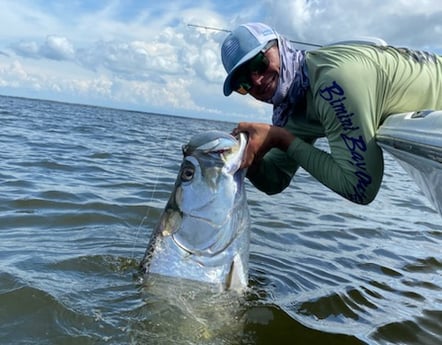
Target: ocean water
{"x": 82, "y": 187}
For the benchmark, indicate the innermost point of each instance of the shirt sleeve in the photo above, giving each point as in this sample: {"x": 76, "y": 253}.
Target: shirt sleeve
{"x": 323, "y": 166}
{"x": 277, "y": 168}
{"x": 274, "y": 172}
{"x": 347, "y": 108}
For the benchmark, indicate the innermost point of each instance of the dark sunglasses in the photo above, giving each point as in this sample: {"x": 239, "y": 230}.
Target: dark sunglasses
{"x": 242, "y": 82}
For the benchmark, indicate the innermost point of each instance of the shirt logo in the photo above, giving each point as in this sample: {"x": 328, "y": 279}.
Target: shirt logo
{"x": 334, "y": 94}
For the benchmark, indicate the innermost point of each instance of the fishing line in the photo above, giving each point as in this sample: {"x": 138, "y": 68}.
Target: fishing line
{"x": 146, "y": 217}
{"x": 225, "y": 30}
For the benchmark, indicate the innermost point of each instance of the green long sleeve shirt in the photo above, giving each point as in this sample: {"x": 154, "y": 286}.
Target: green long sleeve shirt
{"x": 353, "y": 88}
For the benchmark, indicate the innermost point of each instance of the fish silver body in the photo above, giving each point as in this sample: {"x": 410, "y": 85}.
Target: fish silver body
{"x": 204, "y": 231}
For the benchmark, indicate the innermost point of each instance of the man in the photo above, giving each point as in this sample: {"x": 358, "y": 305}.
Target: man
{"x": 341, "y": 92}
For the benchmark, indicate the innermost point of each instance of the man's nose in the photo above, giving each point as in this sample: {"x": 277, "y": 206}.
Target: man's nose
{"x": 256, "y": 78}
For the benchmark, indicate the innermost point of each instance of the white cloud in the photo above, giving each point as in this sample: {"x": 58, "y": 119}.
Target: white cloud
{"x": 148, "y": 57}
{"x": 57, "y": 48}
{"x": 27, "y": 49}
{"x": 11, "y": 74}
{"x": 404, "y": 22}
{"x": 17, "y": 75}
{"x": 54, "y": 47}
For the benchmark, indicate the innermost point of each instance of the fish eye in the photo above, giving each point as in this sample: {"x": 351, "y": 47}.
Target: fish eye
{"x": 187, "y": 173}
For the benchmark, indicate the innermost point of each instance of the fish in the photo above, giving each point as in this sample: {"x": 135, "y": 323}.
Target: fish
{"x": 203, "y": 233}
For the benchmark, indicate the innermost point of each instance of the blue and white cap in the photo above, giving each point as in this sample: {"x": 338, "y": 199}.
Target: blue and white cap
{"x": 241, "y": 45}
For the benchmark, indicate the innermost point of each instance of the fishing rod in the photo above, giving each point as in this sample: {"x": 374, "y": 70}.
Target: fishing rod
{"x": 208, "y": 27}
{"x": 225, "y": 30}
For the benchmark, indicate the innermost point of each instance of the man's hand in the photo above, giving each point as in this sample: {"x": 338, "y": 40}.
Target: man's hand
{"x": 262, "y": 138}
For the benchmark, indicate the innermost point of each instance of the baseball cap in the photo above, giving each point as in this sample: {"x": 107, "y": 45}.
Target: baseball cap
{"x": 241, "y": 45}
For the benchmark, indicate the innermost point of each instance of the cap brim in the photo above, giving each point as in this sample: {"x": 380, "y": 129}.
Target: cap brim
{"x": 227, "y": 87}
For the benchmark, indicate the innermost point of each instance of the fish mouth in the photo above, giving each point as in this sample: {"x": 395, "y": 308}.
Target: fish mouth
{"x": 237, "y": 156}
{"x": 228, "y": 148}
{"x": 242, "y": 140}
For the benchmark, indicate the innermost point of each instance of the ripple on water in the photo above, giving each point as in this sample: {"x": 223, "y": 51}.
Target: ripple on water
{"x": 39, "y": 317}
{"x": 82, "y": 188}
{"x": 424, "y": 329}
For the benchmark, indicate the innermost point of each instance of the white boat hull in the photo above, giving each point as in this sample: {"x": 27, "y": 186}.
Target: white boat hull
{"x": 415, "y": 140}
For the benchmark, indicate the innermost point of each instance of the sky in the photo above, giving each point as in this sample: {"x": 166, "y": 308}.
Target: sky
{"x": 143, "y": 55}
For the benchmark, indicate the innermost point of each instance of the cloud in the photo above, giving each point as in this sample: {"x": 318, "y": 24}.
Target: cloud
{"x": 170, "y": 52}
{"x": 54, "y": 48}
{"x": 144, "y": 54}
{"x": 127, "y": 60}
{"x": 144, "y": 57}
{"x": 57, "y": 48}
{"x": 16, "y": 74}
{"x": 26, "y": 49}
{"x": 401, "y": 22}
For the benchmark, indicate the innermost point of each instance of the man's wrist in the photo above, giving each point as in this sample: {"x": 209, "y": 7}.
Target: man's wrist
{"x": 283, "y": 138}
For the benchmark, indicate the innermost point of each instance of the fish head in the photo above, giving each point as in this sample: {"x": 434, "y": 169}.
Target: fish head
{"x": 203, "y": 231}
{"x": 206, "y": 191}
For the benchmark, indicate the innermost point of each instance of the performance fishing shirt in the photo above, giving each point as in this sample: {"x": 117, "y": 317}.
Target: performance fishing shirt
{"x": 353, "y": 88}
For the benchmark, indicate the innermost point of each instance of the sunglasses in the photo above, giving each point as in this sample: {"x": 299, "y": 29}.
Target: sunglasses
{"x": 242, "y": 82}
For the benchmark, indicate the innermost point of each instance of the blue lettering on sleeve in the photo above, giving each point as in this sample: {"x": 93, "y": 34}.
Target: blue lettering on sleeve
{"x": 334, "y": 94}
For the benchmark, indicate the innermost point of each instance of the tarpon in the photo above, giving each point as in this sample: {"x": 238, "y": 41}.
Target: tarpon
{"x": 203, "y": 233}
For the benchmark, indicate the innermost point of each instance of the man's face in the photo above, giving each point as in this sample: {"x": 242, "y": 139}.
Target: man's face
{"x": 265, "y": 84}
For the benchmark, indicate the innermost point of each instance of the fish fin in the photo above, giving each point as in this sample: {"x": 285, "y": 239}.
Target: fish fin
{"x": 236, "y": 279}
